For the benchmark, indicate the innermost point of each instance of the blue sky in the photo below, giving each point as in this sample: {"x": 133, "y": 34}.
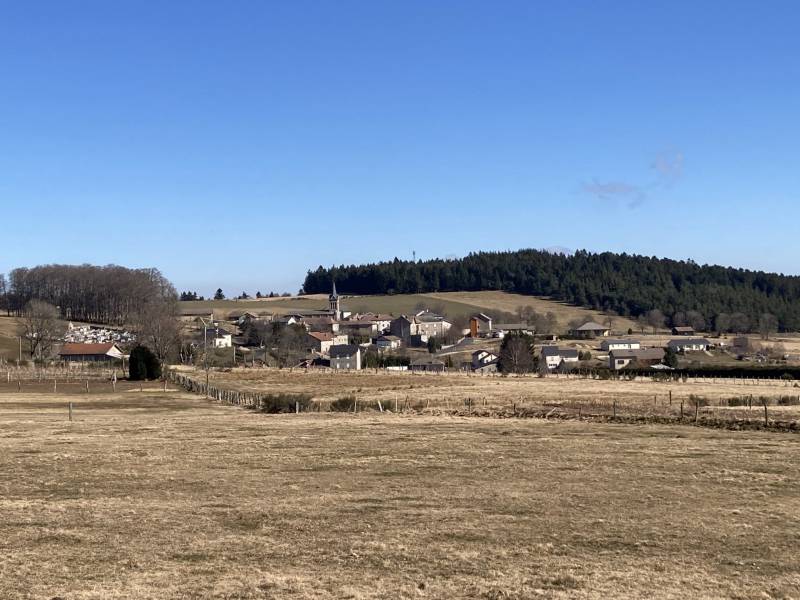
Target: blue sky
{"x": 239, "y": 144}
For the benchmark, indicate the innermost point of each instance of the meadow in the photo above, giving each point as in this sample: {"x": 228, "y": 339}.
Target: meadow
{"x": 166, "y": 495}
{"x": 453, "y": 304}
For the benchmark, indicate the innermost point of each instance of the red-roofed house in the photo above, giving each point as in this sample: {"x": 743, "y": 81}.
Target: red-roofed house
{"x": 321, "y": 341}
{"x": 74, "y": 352}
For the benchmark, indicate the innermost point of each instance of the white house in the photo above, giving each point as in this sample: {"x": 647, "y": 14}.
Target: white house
{"x": 218, "y": 337}
{"x": 689, "y": 345}
{"x": 484, "y": 361}
{"x": 609, "y": 345}
{"x": 619, "y": 359}
{"x": 555, "y": 356}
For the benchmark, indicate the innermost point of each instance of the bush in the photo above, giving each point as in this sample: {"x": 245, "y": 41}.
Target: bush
{"x": 787, "y": 377}
{"x": 285, "y": 403}
{"x": 344, "y": 404}
{"x": 143, "y": 364}
{"x": 697, "y": 400}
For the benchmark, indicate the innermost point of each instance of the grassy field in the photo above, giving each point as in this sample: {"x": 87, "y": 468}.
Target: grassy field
{"x": 162, "y": 495}
{"x": 503, "y": 301}
{"x": 10, "y": 328}
{"x": 453, "y": 389}
{"x": 452, "y": 303}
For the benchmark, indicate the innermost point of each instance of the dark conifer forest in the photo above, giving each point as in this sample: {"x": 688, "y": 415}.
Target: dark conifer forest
{"x": 628, "y": 285}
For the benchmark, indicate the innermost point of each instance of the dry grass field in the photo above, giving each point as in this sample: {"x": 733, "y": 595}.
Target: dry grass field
{"x": 452, "y": 390}
{"x": 507, "y": 302}
{"x": 163, "y": 495}
{"x": 453, "y": 303}
{"x": 10, "y": 328}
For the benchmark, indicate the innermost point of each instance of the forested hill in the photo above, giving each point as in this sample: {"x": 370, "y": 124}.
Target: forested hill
{"x": 627, "y": 284}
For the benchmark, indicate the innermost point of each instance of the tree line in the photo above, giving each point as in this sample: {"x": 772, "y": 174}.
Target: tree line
{"x": 723, "y": 298}
{"x": 109, "y": 294}
{"x": 142, "y": 300}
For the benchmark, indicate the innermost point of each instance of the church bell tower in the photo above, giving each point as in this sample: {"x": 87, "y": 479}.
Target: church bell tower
{"x": 333, "y": 303}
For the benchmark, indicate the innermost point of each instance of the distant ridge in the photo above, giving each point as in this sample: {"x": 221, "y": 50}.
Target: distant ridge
{"x": 631, "y": 285}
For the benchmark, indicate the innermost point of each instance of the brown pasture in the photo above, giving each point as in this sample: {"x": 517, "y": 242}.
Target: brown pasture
{"x": 165, "y": 495}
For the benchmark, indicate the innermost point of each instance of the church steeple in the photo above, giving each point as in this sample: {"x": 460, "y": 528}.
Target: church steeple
{"x": 333, "y": 303}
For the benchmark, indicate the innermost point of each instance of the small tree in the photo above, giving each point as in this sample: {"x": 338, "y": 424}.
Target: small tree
{"x": 137, "y": 368}
{"x": 671, "y": 357}
{"x": 143, "y": 364}
{"x": 434, "y": 344}
{"x": 516, "y": 354}
{"x": 219, "y": 295}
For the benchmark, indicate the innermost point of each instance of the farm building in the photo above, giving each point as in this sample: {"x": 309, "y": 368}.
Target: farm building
{"x": 429, "y": 365}
{"x": 555, "y": 356}
{"x": 74, "y": 352}
{"x": 345, "y": 357}
{"x": 608, "y": 345}
{"x": 590, "y": 330}
{"x": 619, "y": 359}
{"x": 689, "y": 345}
{"x": 683, "y": 330}
{"x": 480, "y": 325}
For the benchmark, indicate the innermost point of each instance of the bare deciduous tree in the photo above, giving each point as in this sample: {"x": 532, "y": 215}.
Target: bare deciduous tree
{"x": 42, "y": 327}
{"x": 516, "y": 354}
{"x": 655, "y": 319}
{"x": 767, "y": 324}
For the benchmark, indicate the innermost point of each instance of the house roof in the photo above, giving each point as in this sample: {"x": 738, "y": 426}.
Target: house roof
{"x": 343, "y": 350}
{"x": 689, "y": 342}
{"x": 427, "y": 361}
{"x": 642, "y": 353}
{"x": 482, "y": 317}
{"x": 556, "y": 351}
{"x": 513, "y": 327}
{"x": 391, "y": 338}
{"x": 429, "y": 317}
{"x": 322, "y": 336}
{"x": 75, "y": 349}
{"x": 592, "y": 326}
{"x": 609, "y": 342}
{"x": 683, "y": 328}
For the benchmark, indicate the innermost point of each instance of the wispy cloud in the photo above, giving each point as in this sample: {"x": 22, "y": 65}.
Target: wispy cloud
{"x": 632, "y": 195}
{"x": 667, "y": 169}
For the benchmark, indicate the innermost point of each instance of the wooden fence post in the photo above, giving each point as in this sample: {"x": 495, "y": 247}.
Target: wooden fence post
{"x": 70, "y": 411}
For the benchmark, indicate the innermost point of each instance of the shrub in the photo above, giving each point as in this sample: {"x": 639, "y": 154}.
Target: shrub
{"x": 284, "y": 403}
{"x": 787, "y": 377}
{"x": 343, "y": 404}
{"x": 697, "y": 400}
{"x": 143, "y": 364}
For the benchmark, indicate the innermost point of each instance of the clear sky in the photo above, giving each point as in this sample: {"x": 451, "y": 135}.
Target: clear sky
{"x": 238, "y": 144}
